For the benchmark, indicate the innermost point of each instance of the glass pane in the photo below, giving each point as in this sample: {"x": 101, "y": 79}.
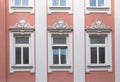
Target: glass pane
{"x": 97, "y": 39}
{"x": 55, "y": 56}
{"x": 22, "y": 40}
{"x": 17, "y": 55}
{"x": 25, "y": 2}
{"x": 102, "y": 55}
{"x": 17, "y": 2}
{"x": 25, "y": 55}
{"x": 92, "y": 2}
{"x": 63, "y": 55}
{"x": 55, "y": 2}
{"x": 59, "y": 40}
{"x": 100, "y": 2}
{"x": 62, "y": 2}
{"x": 94, "y": 55}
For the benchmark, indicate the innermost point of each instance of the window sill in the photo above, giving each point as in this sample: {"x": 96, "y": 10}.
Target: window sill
{"x": 21, "y": 7}
{"x": 60, "y": 66}
{"x": 60, "y": 7}
{"x": 22, "y": 66}
{"x": 98, "y": 8}
{"x": 98, "y": 65}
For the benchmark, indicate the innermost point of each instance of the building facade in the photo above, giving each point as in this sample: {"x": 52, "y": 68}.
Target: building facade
{"x": 59, "y": 41}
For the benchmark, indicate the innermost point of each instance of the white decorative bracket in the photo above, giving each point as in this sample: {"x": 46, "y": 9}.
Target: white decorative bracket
{"x": 21, "y": 26}
{"x": 60, "y": 26}
{"x": 98, "y": 27}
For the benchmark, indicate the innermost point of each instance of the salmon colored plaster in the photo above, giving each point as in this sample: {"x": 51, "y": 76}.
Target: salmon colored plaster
{"x": 2, "y": 42}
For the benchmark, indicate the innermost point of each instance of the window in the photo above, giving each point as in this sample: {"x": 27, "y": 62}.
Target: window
{"x": 97, "y": 3}
{"x": 59, "y": 2}
{"x": 98, "y": 47}
{"x": 98, "y": 6}
{"x": 21, "y": 6}
{"x": 60, "y": 47}
{"x": 60, "y": 6}
{"x": 21, "y": 50}
{"x": 21, "y": 2}
{"x": 21, "y": 47}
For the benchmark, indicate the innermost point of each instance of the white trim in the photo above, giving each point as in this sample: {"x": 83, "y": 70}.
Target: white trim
{"x": 41, "y": 44}
{"x": 13, "y": 8}
{"x": 67, "y": 8}
{"x": 79, "y": 55}
{"x": 104, "y": 9}
{"x": 108, "y": 54}
{"x": 117, "y": 40}
{"x": 20, "y": 67}
{"x": 66, "y": 67}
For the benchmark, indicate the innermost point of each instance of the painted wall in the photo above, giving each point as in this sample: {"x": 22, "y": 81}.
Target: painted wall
{"x": 12, "y": 19}
{"x": 2, "y": 42}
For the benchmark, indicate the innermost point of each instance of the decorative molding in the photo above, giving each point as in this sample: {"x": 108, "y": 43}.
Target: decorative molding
{"x": 98, "y": 27}
{"x": 60, "y": 26}
{"x": 22, "y": 25}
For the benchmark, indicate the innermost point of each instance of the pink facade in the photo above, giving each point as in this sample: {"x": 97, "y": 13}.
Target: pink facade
{"x": 64, "y": 41}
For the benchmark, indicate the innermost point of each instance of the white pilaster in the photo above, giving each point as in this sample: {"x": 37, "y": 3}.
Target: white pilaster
{"x": 117, "y": 40}
{"x": 79, "y": 55}
{"x": 41, "y": 48}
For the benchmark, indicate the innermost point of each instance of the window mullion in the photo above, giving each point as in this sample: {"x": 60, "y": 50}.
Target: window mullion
{"x": 59, "y": 2}
{"x": 21, "y": 2}
{"x": 21, "y": 55}
{"x": 96, "y": 3}
{"x": 97, "y": 55}
{"x": 59, "y": 57}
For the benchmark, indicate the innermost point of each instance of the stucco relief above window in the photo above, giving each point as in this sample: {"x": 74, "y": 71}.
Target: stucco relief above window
{"x": 21, "y": 6}
{"x": 60, "y": 47}
{"x": 21, "y": 47}
{"x": 59, "y": 6}
{"x": 98, "y": 47}
{"x": 98, "y": 6}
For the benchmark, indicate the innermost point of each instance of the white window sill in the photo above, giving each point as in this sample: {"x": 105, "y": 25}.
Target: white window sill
{"x": 60, "y": 66}
{"x": 98, "y": 10}
{"x": 98, "y": 65}
{"x": 60, "y": 7}
{"x": 22, "y": 66}
{"x": 21, "y": 7}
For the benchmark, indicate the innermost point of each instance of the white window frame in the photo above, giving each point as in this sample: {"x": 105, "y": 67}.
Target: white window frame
{"x": 21, "y": 30}
{"x": 67, "y": 8}
{"x": 99, "y": 9}
{"x": 98, "y": 46}
{"x": 21, "y": 46}
{"x": 107, "y": 66}
{"x": 61, "y": 46}
{"x": 21, "y": 8}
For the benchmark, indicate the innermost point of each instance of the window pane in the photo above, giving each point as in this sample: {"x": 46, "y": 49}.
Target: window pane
{"x": 92, "y": 2}
{"x": 17, "y": 2}
{"x": 55, "y": 2}
{"x": 101, "y": 55}
{"x": 62, "y": 2}
{"x": 17, "y": 55}
{"x": 97, "y": 39}
{"x": 25, "y": 2}
{"x": 63, "y": 55}
{"x": 55, "y": 56}
{"x": 94, "y": 55}
{"x": 100, "y": 2}
{"x": 22, "y": 40}
{"x": 59, "y": 40}
{"x": 25, "y": 55}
